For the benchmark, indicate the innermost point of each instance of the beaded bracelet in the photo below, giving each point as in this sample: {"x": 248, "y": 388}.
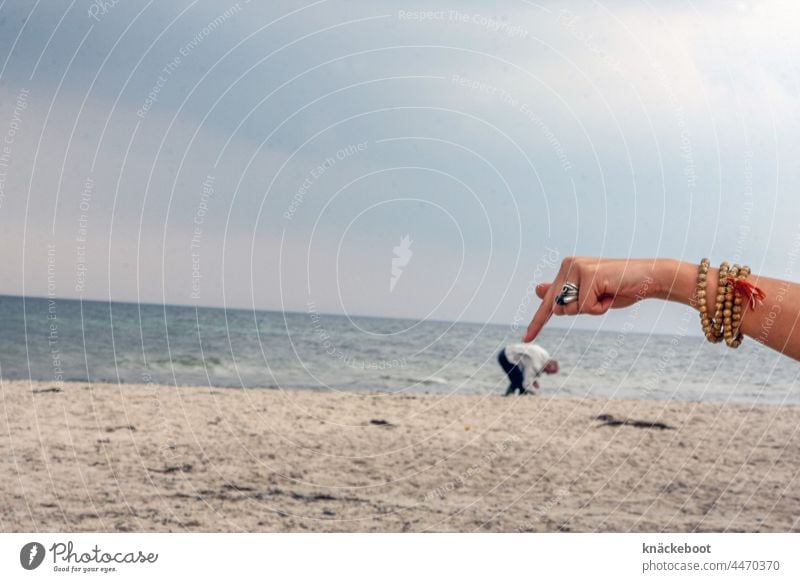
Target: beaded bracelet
{"x": 702, "y": 300}
{"x": 729, "y": 304}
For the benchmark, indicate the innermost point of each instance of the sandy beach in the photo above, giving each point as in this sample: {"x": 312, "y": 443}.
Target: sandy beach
{"x": 147, "y": 458}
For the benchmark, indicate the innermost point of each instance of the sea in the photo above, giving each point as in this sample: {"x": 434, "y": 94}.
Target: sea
{"x": 60, "y": 340}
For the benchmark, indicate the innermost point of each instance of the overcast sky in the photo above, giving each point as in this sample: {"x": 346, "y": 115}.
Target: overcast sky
{"x": 273, "y": 154}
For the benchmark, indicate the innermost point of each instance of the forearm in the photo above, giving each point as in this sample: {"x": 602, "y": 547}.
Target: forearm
{"x": 527, "y": 377}
{"x": 774, "y": 323}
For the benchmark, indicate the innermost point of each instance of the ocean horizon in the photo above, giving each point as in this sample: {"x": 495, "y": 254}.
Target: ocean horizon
{"x": 63, "y": 340}
{"x": 197, "y": 306}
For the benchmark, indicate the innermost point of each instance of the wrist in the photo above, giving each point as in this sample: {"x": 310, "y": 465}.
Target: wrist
{"x": 675, "y": 280}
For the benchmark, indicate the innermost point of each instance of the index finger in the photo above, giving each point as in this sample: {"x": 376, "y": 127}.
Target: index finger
{"x": 541, "y": 317}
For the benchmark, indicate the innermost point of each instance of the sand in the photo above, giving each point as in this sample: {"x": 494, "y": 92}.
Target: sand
{"x": 154, "y": 458}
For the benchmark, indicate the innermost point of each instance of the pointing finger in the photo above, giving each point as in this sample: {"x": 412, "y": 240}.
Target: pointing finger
{"x": 540, "y": 318}
{"x": 541, "y": 289}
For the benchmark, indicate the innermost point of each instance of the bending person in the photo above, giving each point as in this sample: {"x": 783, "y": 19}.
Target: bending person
{"x": 523, "y": 364}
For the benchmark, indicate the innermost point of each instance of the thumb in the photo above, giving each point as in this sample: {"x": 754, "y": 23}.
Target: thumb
{"x": 541, "y": 289}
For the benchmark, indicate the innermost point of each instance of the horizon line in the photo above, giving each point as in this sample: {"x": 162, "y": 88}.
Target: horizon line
{"x": 293, "y": 312}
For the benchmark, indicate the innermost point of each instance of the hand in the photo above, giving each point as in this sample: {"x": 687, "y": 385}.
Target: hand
{"x": 602, "y": 284}
{"x": 536, "y": 384}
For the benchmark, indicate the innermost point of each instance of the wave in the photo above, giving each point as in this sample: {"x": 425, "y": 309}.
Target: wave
{"x": 429, "y": 381}
{"x": 426, "y": 381}
{"x": 188, "y": 361}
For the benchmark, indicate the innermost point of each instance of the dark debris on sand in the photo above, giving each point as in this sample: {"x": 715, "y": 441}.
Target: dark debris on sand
{"x": 611, "y": 420}
{"x": 54, "y": 389}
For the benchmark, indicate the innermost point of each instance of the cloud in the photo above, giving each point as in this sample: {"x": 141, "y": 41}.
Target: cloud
{"x": 622, "y": 130}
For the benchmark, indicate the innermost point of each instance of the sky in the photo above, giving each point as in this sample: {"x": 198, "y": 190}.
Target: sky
{"x": 417, "y": 160}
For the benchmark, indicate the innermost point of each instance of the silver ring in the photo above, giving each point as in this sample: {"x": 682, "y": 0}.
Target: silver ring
{"x": 568, "y": 288}
{"x": 569, "y": 293}
{"x": 566, "y": 299}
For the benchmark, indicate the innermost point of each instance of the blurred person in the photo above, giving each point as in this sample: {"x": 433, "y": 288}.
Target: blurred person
{"x": 523, "y": 364}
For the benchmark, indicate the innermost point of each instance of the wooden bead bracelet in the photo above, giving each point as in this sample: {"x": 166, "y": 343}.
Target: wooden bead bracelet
{"x": 734, "y": 295}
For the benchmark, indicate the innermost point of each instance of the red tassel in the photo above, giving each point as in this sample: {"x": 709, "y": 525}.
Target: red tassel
{"x": 746, "y": 289}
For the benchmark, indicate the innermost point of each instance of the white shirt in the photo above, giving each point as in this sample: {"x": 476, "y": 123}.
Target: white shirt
{"x": 530, "y": 357}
